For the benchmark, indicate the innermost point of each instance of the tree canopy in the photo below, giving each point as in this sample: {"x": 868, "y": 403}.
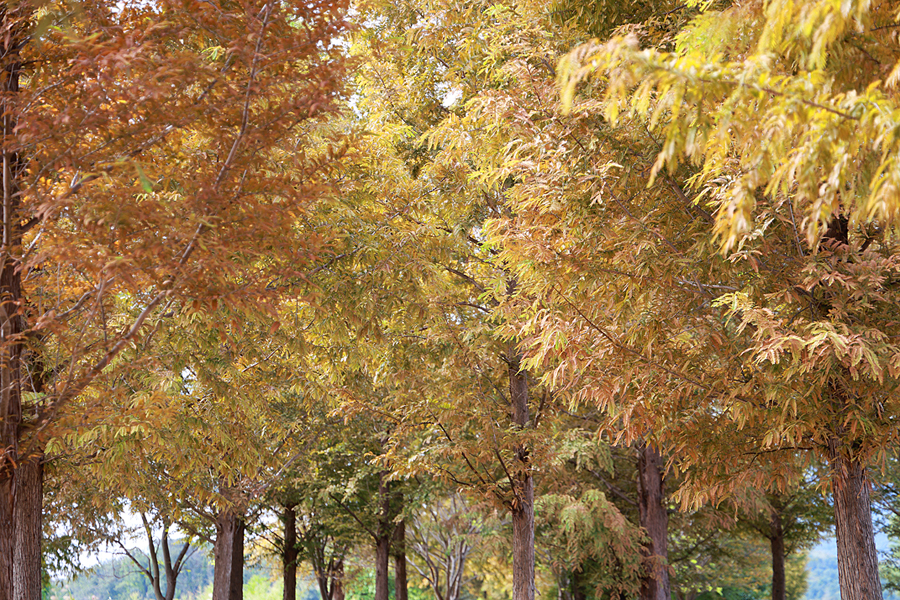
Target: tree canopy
{"x": 595, "y": 299}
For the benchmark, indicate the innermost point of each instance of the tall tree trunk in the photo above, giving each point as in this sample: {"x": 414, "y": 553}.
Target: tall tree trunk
{"x": 523, "y": 508}
{"x": 655, "y": 521}
{"x": 383, "y": 540}
{"x": 228, "y": 574}
{"x": 290, "y": 554}
{"x": 19, "y": 482}
{"x": 523, "y": 541}
{"x": 857, "y": 558}
{"x": 776, "y": 541}
{"x": 399, "y": 549}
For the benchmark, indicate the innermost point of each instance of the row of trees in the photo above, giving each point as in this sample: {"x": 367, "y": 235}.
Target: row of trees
{"x": 337, "y": 518}
{"x": 629, "y": 265}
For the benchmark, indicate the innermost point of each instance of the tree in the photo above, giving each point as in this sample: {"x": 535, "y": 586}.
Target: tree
{"x": 443, "y": 535}
{"x": 791, "y": 523}
{"x": 783, "y": 127}
{"x": 138, "y": 144}
{"x": 162, "y": 580}
{"x": 428, "y": 226}
{"x": 594, "y": 550}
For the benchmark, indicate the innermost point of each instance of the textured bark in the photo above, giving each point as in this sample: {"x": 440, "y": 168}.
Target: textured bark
{"x": 290, "y": 554}
{"x": 399, "y": 549}
{"x": 857, "y": 558}
{"x": 228, "y": 574}
{"x": 16, "y": 480}
{"x": 655, "y": 521}
{"x": 523, "y": 507}
{"x": 27, "y": 516}
{"x": 523, "y": 542}
{"x": 7, "y": 537}
{"x": 776, "y": 541}
{"x": 382, "y": 560}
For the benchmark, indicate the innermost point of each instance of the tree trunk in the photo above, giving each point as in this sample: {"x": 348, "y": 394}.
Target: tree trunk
{"x": 523, "y": 507}
{"x": 7, "y": 535}
{"x": 383, "y": 540}
{"x": 577, "y": 586}
{"x": 857, "y": 558}
{"x": 400, "y": 582}
{"x": 776, "y": 541}
{"x": 18, "y": 482}
{"x": 382, "y": 556}
{"x": 290, "y": 554}
{"x": 27, "y": 516}
{"x": 337, "y": 581}
{"x": 655, "y": 521}
{"x": 523, "y": 542}
{"x": 228, "y": 574}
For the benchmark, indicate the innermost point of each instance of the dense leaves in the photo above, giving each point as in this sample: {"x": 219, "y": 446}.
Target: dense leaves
{"x": 609, "y": 287}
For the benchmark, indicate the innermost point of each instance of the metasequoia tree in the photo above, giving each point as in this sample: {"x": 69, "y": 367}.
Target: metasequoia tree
{"x": 779, "y": 115}
{"x": 315, "y": 528}
{"x": 212, "y": 423}
{"x": 462, "y": 385}
{"x": 590, "y": 519}
{"x": 788, "y": 522}
{"x": 454, "y": 109}
{"x": 350, "y": 497}
{"x": 488, "y": 147}
{"x": 138, "y": 149}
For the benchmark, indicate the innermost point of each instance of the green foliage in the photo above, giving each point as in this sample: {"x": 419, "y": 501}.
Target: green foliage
{"x": 362, "y": 587}
{"x": 588, "y": 534}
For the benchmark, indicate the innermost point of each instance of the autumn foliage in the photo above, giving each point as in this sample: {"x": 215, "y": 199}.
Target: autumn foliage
{"x": 618, "y": 277}
{"x": 153, "y": 158}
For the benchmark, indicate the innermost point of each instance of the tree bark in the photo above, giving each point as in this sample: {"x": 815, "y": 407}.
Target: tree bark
{"x": 382, "y": 556}
{"x": 523, "y": 541}
{"x": 290, "y": 554}
{"x": 655, "y": 521}
{"x": 337, "y": 581}
{"x": 18, "y": 482}
{"x": 776, "y": 541}
{"x": 399, "y": 548}
{"x": 523, "y": 489}
{"x": 27, "y": 516}
{"x": 228, "y": 574}
{"x": 7, "y": 534}
{"x": 383, "y": 540}
{"x": 857, "y": 557}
